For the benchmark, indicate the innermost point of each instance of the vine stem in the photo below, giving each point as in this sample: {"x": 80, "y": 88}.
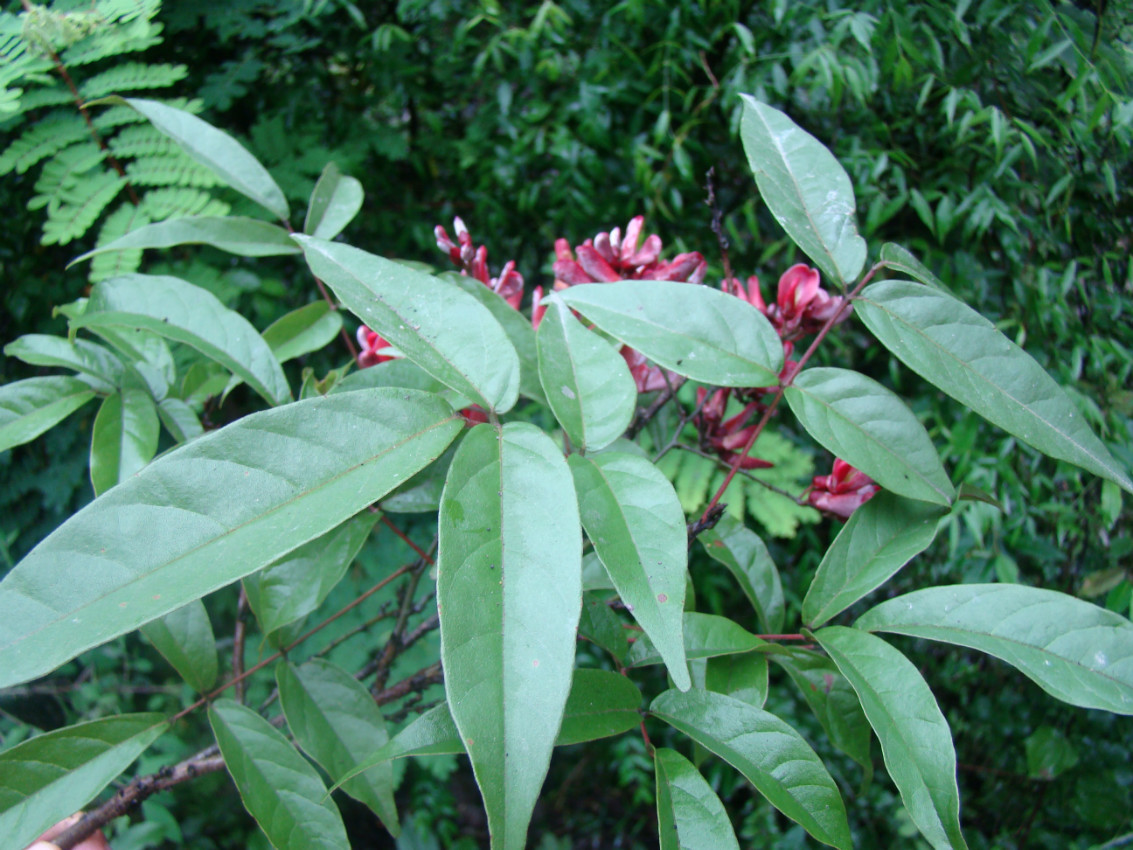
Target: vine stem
{"x": 786, "y": 383}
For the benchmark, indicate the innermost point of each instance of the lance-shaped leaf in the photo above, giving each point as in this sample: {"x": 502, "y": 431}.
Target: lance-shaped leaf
{"x": 209, "y": 513}
{"x": 601, "y": 626}
{"x": 32, "y": 406}
{"x": 1073, "y": 650}
{"x": 47, "y": 778}
{"x": 90, "y": 358}
{"x": 633, "y": 517}
{"x": 705, "y": 636}
{"x": 179, "y": 419}
{"x": 601, "y": 704}
{"x": 335, "y": 200}
{"x": 952, "y": 346}
{"x": 806, "y": 189}
{"x": 587, "y": 383}
{"x": 740, "y": 550}
{"x": 297, "y": 583}
{"x": 701, "y": 333}
{"x": 901, "y": 259}
{"x": 516, "y": 326}
{"x": 124, "y": 437}
{"x": 833, "y": 702}
{"x": 233, "y": 234}
{"x": 915, "y": 739}
{"x": 743, "y": 677}
{"x": 334, "y": 718}
{"x": 214, "y": 149}
{"x": 185, "y": 639}
{"x": 689, "y": 814}
{"x": 185, "y": 313}
{"x": 880, "y": 537}
{"x": 446, "y": 332}
{"x": 509, "y": 590}
{"x": 302, "y": 331}
{"x": 279, "y": 787}
{"x": 868, "y": 426}
{"x": 772, "y": 755}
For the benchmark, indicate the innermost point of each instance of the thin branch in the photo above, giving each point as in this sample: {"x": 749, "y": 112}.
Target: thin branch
{"x": 238, "y": 634}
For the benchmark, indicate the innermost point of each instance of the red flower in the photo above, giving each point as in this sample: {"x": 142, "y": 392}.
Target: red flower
{"x": 646, "y": 376}
{"x": 610, "y": 256}
{"x": 473, "y": 261}
{"x": 843, "y": 491}
{"x": 371, "y": 344}
{"x": 802, "y": 305}
{"x": 726, "y": 438}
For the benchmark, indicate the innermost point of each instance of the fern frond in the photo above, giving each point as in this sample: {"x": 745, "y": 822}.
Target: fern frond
{"x": 125, "y": 218}
{"x": 79, "y": 206}
{"x": 130, "y": 77}
{"x": 142, "y": 140}
{"x": 62, "y": 172}
{"x": 43, "y": 96}
{"x": 160, "y": 204}
{"x": 170, "y": 171}
{"x": 49, "y": 136}
{"x": 129, "y": 29}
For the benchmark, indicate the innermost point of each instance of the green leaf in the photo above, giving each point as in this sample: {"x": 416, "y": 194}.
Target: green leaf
{"x": 689, "y": 814}
{"x": 335, "y": 201}
{"x": 443, "y": 330}
{"x": 740, "y": 550}
{"x": 769, "y": 753}
{"x": 954, "y": 347}
{"x": 244, "y": 237}
{"x": 587, "y": 383}
{"x": 601, "y": 704}
{"x": 297, "y": 583}
{"x": 32, "y": 406}
{"x": 510, "y": 540}
{"x": 915, "y": 739}
{"x": 209, "y": 513}
{"x": 869, "y": 427}
{"x": 214, "y": 149}
{"x": 601, "y": 626}
{"x": 185, "y": 313}
{"x": 87, "y": 357}
{"x": 635, "y": 521}
{"x": 124, "y": 437}
{"x": 880, "y": 537}
{"x": 334, "y": 718}
{"x": 279, "y": 787}
{"x": 701, "y": 333}
{"x": 805, "y": 188}
{"x": 833, "y": 702}
{"x": 302, "y": 331}
{"x": 516, "y": 326}
{"x": 1076, "y": 652}
{"x": 705, "y": 636}
{"x": 902, "y": 260}
{"x": 51, "y": 776}
{"x": 743, "y": 677}
{"x": 179, "y": 419}
{"x": 184, "y": 638}
{"x": 1049, "y": 753}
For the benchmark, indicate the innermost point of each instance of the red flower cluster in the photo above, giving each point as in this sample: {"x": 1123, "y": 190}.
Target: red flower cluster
{"x": 726, "y": 437}
{"x": 843, "y": 491}
{"x": 802, "y": 305}
{"x": 473, "y": 261}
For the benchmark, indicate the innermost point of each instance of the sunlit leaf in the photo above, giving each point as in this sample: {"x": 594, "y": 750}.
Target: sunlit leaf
{"x": 902, "y": 260}
{"x": 90, "y": 358}
{"x": 32, "y": 406}
{"x": 245, "y": 237}
{"x": 689, "y": 814}
{"x": 209, "y": 513}
{"x": 705, "y": 636}
{"x": 335, "y": 200}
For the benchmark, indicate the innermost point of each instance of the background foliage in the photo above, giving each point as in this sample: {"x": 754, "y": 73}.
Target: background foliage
{"x": 534, "y": 121}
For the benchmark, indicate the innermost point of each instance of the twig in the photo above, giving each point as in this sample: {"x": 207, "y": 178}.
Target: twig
{"x": 238, "y": 633}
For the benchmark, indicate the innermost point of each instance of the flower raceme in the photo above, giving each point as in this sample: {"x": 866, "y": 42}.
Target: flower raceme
{"x": 843, "y": 491}
{"x": 802, "y": 305}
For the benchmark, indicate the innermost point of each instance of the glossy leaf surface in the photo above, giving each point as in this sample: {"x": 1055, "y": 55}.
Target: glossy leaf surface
{"x": 586, "y": 382}
{"x": 215, "y": 150}
{"x": 209, "y": 513}
{"x": 279, "y": 787}
{"x": 124, "y": 437}
{"x": 868, "y": 426}
{"x": 335, "y": 200}
{"x": 701, "y": 333}
{"x": 915, "y": 739}
{"x": 32, "y": 406}
{"x": 185, "y": 313}
{"x": 445, "y": 331}
{"x": 185, "y": 639}
{"x": 244, "y": 237}
{"x": 1075, "y": 651}
{"x": 880, "y": 537}
{"x": 705, "y": 636}
{"x": 772, "y": 755}
{"x": 740, "y": 550}
{"x": 46, "y": 778}
{"x": 509, "y": 590}
{"x": 689, "y": 814}
{"x": 806, "y": 189}
{"x": 634, "y": 520}
{"x": 742, "y": 676}
{"x": 335, "y": 718}
{"x": 952, "y": 346}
